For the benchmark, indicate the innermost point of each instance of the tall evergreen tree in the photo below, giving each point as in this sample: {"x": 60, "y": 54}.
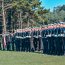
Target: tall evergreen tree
{"x": 30, "y": 10}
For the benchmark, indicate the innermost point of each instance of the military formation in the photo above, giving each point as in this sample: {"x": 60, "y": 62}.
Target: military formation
{"x": 54, "y": 44}
{"x": 49, "y": 39}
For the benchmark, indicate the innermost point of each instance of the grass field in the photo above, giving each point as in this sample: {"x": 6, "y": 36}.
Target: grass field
{"x": 26, "y": 58}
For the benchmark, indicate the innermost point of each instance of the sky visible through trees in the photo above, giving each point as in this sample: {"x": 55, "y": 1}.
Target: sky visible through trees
{"x": 52, "y": 3}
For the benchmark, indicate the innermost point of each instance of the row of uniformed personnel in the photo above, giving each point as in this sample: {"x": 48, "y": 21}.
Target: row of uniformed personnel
{"x": 51, "y": 45}
{"x": 53, "y": 41}
{"x": 22, "y": 43}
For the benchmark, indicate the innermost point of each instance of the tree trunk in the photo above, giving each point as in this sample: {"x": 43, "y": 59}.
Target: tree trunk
{"x": 20, "y": 20}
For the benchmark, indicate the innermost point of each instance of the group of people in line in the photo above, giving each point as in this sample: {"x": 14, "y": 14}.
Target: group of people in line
{"x": 50, "y": 41}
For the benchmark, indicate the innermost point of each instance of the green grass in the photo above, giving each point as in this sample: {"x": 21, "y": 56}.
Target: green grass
{"x": 26, "y": 58}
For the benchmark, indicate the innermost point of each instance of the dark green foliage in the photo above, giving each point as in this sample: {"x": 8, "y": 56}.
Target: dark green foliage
{"x": 58, "y": 15}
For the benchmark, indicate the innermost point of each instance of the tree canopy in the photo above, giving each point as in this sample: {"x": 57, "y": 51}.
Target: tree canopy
{"x": 30, "y": 13}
